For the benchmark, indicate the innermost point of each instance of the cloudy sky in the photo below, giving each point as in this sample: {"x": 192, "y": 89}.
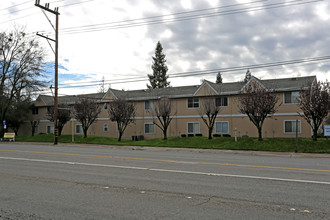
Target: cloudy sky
{"x": 116, "y": 39}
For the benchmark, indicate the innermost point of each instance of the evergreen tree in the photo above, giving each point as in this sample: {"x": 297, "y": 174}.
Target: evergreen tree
{"x": 219, "y": 78}
{"x": 159, "y": 78}
{"x": 247, "y": 76}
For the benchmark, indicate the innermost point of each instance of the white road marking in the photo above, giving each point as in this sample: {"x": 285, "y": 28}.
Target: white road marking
{"x": 168, "y": 171}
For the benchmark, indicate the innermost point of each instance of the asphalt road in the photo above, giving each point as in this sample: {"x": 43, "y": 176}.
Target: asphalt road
{"x": 102, "y": 182}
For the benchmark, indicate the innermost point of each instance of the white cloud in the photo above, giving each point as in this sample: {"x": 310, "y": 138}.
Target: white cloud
{"x": 272, "y": 35}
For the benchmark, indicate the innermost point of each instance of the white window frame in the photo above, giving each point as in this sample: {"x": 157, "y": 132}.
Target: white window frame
{"x": 215, "y": 127}
{"x": 221, "y": 97}
{"x": 193, "y": 102}
{"x": 75, "y": 129}
{"x": 151, "y": 105}
{"x": 291, "y": 103}
{"x": 199, "y": 128}
{"x": 35, "y": 111}
{"x": 145, "y": 132}
{"x": 105, "y": 127}
{"x": 293, "y": 132}
{"x": 36, "y": 129}
{"x": 51, "y": 130}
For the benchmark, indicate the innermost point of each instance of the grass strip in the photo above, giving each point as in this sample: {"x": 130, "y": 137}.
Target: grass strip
{"x": 305, "y": 145}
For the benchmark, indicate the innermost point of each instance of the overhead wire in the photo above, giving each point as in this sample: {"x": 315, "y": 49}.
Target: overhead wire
{"x": 13, "y": 6}
{"x": 201, "y": 72}
{"x": 166, "y": 15}
{"x": 205, "y": 72}
{"x": 308, "y": 61}
{"x": 66, "y": 5}
{"x": 163, "y": 19}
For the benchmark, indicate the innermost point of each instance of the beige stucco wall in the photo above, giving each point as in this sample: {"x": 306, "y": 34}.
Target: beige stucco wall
{"x": 273, "y": 126}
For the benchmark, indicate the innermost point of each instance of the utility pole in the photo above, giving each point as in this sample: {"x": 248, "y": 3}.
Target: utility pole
{"x": 55, "y": 11}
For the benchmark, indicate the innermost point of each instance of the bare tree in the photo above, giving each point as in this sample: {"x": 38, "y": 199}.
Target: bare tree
{"x": 86, "y": 112}
{"x": 210, "y": 109}
{"x": 63, "y": 116}
{"x": 315, "y": 104}
{"x": 123, "y": 112}
{"x": 163, "y": 112}
{"x": 18, "y": 113}
{"x": 328, "y": 119}
{"x": 21, "y": 61}
{"x": 34, "y": 124}
{"x": 257, "y": 103}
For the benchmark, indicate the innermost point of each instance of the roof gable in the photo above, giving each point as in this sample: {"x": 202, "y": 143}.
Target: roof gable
{"x": 253, "y": 81}
{"x": 205, "y": 89}
{"x": 42, "y": 100}
{"x": 109, "y": 95}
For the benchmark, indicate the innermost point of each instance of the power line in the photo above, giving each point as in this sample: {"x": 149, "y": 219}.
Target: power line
{"x": 162, "y": 16}
{"x": 163, "y": 19}
{"x": 19, "y": 10}
{"x": 13, "y": 6}
{"x": 66, "y": 5}
{"x": 204, "y": 72}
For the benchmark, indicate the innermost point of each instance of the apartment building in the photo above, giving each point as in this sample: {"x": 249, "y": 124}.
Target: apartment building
{"x": 186, "y": 103}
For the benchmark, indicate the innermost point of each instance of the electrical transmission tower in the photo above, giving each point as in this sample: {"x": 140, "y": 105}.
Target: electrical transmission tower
{"x": 55, "y": 11}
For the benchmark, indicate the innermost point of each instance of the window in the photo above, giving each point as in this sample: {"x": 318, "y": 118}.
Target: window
{"x": 105, "y": 127}
{"x": 290, "y": 126}
{"x": 291, "y": 97}
{"x": 50, "y": 129}
{"x": 35, "y": 111}
{"x": 105, "y": 106}
{"x": 149, "y": 105}
{"x": 79, "y": 129}
{"x": 149, "y": 128}
{"x": 193, "y": 102}
{"x": 222, "y": 127}
{"x": 221, "y": 101}
{"x": 36, "y": 129}
{"x": 193, "y": 128}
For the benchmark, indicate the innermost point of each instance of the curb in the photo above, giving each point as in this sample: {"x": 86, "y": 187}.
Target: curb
{"x": 213, "y": 151}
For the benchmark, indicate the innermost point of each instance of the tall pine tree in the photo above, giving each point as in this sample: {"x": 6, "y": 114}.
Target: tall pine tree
{"x": 219, "y": 78}
{"x": 159, "y": 78}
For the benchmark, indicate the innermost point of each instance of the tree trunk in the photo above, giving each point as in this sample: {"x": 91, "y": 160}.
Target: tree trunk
{"x": 120, "y": 135}
{"x": 85, "y": 133}
{"x": 165, "y": 134}
{"x": 16, "y": 131}
{"x": 33, "y": 128}
{"x": 1, "y": 130}
{"x": 259, "y": 133}
{"x": 210, "y": 133}
{"x": 314, "y": 134}
{"x": 60, "y": 128}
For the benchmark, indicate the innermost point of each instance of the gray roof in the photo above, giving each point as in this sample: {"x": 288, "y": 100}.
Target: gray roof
{"x": 285, "y": 84}
{"x": 182, "y": 91}
{"x": 69, "y": 99}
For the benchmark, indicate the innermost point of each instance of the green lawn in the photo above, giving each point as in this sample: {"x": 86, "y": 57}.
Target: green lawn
{"x": 305, "y": 145}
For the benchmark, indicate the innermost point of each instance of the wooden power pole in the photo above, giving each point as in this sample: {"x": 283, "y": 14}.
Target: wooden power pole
{"x": 55, "y": 11}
